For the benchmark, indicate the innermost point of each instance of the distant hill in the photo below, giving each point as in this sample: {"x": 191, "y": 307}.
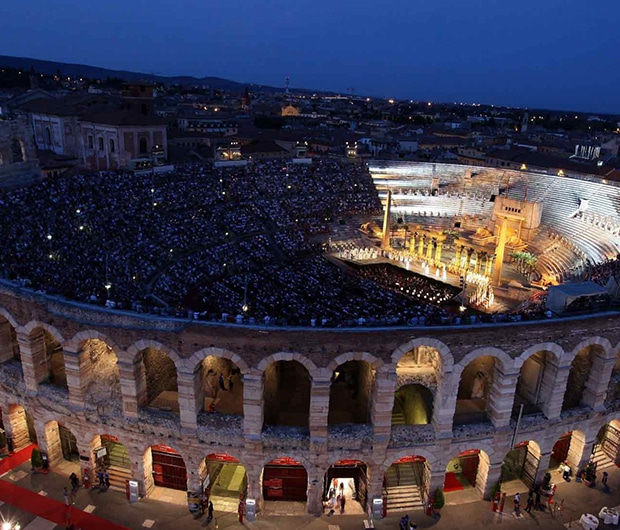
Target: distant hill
{"x": 94, "y": 72}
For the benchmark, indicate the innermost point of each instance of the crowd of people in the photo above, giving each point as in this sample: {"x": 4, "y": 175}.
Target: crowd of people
{"x": 225, "y": 244}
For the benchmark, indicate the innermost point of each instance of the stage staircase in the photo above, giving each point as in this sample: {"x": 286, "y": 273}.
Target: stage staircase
{"x": 403, "y": 492}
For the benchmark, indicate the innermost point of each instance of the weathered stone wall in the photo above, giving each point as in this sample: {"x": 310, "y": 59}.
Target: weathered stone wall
{"x": 185, "y": 344}
{"x": 18, "y": 159}
{"x": 271, "y": 385}
{"x": 577, "y": 379}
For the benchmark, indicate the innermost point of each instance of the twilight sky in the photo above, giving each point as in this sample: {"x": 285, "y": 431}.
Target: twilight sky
{"x": 562, "y": 54}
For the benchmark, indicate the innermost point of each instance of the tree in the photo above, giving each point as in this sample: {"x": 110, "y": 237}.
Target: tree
{"x": 439, "y": 499}
{"x": 36, "y": 460}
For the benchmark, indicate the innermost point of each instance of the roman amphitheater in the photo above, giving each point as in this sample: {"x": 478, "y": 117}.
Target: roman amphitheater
{"x": 262, "y": 414}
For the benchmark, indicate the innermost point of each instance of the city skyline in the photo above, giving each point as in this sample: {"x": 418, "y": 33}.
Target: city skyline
{"x": 524, "y": 55}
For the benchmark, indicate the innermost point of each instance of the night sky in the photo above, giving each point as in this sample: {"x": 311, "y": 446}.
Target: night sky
{"x": 561, "y": 54}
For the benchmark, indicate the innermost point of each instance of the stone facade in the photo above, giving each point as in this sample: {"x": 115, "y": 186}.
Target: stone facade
{"x": 440, "y": 358}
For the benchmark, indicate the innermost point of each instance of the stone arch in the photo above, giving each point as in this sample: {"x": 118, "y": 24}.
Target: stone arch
{"x": 355, "y": 356}
{"x": 193, "y": 363}
{"x": 522, "y": 462}
{"x": 588, "y": 372}
{"x": 536, "y": 382}
{"x": 431, "y": 458}
{"x": 44, "y": 359}
{"x": 78, "y": 340}
{"x": 287, "y": 356}
{"x": 143, "y": 344}
{"x": 287, "y": 390}
{"x": 157, "y": 382}
{"x": 294, "y": 483}
{"x": 11, "y": 319}
{"x": 552, "y": 347}
{"x": 165, "y": 467}
{"x": 223, "y": 393}
{"x": 61, "y": 442}
{"x": 351, "y": 390}
{"x": 34, "y": 324}
{"x": 488, "y": 351}
{"x": 447, "y": 360}
{"x": 473, "y": 464}
{"x": 227, "y": 464}
{"x": 602, "y": 342}
{"x": 9, "y": 345}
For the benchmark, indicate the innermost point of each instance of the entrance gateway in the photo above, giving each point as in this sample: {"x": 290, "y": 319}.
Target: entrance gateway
{"x": 168, "y": 468}
{"x": 348, "y": 478}
{"x": 285, "y": 479}
{"x": 406, "y": 484}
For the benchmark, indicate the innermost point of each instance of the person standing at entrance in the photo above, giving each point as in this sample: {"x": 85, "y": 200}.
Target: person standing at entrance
{"x": 604, "y": 479}
{"x": 106, "y": 479}
{"x": 517, "y": 502}
{"x": 530, "y": 502}
{"x": 343, "y": 501}
{"x": 221, "y": 381}
{"x": 65, "y": 494}
{"x": 210, "y": 511}
{"x": 565, "y": 471}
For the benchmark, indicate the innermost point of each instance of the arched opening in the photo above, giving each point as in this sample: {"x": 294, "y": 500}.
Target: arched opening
{"x": 61, "y": 444}
{"x": 472, "y": 400}
{"x": 285, "y": 479}
{"x": 406, "y": 484}
{"x": 159, "y": 378}
{"x": 418, "y": 373}
{"x": 48, "y": 359}
{"x": 48, "y": 136}
{"x": 22, "y": 427}
{"x": 167, "y": 469}
{"x": 613, "y": 390}
{"x": 520, "y": 467}
{"x": 413, "y": 405}
{"x": 102, "y": 376}
{"x": 568, "y": 449}
{"x": 17, "y": 151}
{"x": 348, "y": 479}
{"x": 580, "y": 370}
{"x": 220, "y": 385}
{"x": 467, "y": 473}
{"x": 286, "y": 388}
{"x": 605, "y": 452}
{"x": 9, "y": 347}
{"x": 110, "y": 455}
{"x": 144, "y": 146}
{"x": 350, "y": 393}
{"x": 535, "y": 384}
{"x": 225, "y": 481}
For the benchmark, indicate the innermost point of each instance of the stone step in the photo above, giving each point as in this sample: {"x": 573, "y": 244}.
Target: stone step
{"x": 118, "y": 478}
{"x": 403, "y": 498}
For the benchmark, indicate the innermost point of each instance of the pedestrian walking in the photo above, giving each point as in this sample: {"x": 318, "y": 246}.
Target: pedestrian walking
{"x": 221, "y": 381}
{"x": 530, "y": 504}
{"x": 100, "y": 478}
{"x": 342, "y": 503}
{"x": 210, "y": 511}
{"x": 106, "y": 479}
{"x": 75, "y": 482}
{"x": 537, "y": 504}
{"x": 65, "y": 494}
{"x": 404, "y": 523}
{"x": 604, "y": 479}
{"x": 517, "y": 502}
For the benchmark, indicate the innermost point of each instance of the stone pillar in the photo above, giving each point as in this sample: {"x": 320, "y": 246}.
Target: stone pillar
{"x": 187, "y": 401}
{"x": 444, "y": 404}
{"x": 437, "y": 479}
{"x": 502, "y": 396}
{"x": 543, "y": 466}
{"x": 253, "y": 402}
{"x": 52, "y": 441}
{"x": 494, "y": 472}
{"x": 577, "y": 451}
{"x": 597, "y": 384}
{"x": 552, "y": 409}
{"x": 482, "y": 475}
{"x": 133, "y": 386}
{"x": 319, "y": 407}
{"x": 6, "y": 341}
{"x": 34, "y": 364}
{"x": 76, "y": 370}
{"x": 382, "y": 405}
{"x": 315, "y": 495}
